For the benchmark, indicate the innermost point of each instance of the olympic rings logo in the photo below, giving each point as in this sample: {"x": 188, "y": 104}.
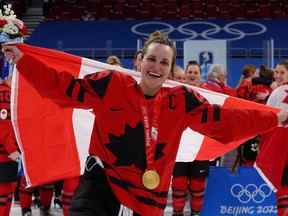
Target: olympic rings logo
{"x": 250, "y": 192}
{"x": 210, "y": 30}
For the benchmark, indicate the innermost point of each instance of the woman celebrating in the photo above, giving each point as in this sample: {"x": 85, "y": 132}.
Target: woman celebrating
{"x": 193, "y": 73}
{"x": 189, "y": 176}
{"x": 9, "y": 153}
{"x": 12, "y": 30}
{"x": 273, "y": 144}
{"x": 138, "y": 128}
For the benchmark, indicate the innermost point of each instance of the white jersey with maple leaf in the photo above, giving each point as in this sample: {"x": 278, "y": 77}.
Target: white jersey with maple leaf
{"x": 279, "y": 98}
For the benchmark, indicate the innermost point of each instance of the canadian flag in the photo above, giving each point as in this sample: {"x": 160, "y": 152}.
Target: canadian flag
{"x": 205, "y": 148}
{"x": 54, "y": 141}
{"x": 272, "y": 158}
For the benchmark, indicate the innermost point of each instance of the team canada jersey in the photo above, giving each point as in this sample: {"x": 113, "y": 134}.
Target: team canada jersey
{"x": 7, "y": 139}
{"x": 244, "y": 89}
{"x": 249, "y": 89}
{"x": 218, "y": 87}
{"x": 279, "y": 98}
{"x": 118, "y": 139}
{"x": 273, "y": 154}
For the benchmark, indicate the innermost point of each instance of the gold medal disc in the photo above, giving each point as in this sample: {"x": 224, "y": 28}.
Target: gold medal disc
{"x": 151, "y": 179}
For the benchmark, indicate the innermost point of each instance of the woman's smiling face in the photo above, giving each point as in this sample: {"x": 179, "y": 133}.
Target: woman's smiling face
{"x": 156, "y": 66}
{"x": 281, "y": 74}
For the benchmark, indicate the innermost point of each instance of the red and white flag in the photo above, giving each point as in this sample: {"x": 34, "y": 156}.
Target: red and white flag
{"x": 54, "y": 140}
{"x": 272, "y": 158}
{"x": 205, "y": 148}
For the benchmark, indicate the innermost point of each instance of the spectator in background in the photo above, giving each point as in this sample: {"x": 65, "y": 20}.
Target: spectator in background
{"x": 178, "y": 74}
{"x": 257, "y": 89}
{"x": 113, "y": 60}
{"x": 9, "y": 153}
{"x": 69, "y": 187}
{"x": 261, "y": 85}
{"x": 273, "y": 154}
{"x": 189, "y": 177}
{"x": 216, "y": 81}
{"x": 245, "y": 83}
{"x": 137, "y": 60}
{"x": 279, "y": 78}
{"x": 25, "y": 197}
{"x": 43, "y": 197}
{"x": 193, "y": 73}
{"x": 46, "y": 195}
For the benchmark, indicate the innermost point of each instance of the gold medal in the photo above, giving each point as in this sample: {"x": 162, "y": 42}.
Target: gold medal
{"x": 151, "y": 179}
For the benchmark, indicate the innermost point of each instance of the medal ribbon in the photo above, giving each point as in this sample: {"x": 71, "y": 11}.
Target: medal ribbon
{"x": 151, "y": 130}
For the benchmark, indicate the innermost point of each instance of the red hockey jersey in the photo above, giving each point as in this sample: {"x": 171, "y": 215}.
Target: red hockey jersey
{"x": 218, "y": 87}
{"x": 7, "y": 139}
{"x": 273, "y": 154}
{"x": 114, "y": 97}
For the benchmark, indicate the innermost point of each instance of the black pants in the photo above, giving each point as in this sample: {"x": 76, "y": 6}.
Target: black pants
{"x": 94, "y": 196}
{"x": 8, "y": 172}
{"x": 194, "y": 169}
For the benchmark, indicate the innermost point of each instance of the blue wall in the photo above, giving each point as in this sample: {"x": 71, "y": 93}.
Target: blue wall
{"x": 120, "y": 34}
{"x": 75, "y": 34}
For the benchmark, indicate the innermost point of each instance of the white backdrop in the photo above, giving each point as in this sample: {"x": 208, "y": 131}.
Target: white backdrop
{"x": 206, "y": 53}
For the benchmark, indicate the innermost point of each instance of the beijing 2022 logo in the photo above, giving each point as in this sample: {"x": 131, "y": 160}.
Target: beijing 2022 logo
{"x": 202, "y": 30}
{"x": 250, "y": 192}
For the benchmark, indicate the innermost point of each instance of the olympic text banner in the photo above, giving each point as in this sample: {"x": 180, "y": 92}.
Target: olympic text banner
{"x": 54, "y": 140}
{"x": 242, "y": 193}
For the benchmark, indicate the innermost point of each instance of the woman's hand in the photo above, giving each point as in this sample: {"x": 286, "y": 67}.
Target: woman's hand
{"x": 12, "y": 53}
{"x": 283, "y": 117}
{"x": 262, "y": 95}
{"x": 14, "y": 155}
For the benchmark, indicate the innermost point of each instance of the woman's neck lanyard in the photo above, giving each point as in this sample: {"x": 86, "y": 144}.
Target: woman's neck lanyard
{"x": 151, "y": 178}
